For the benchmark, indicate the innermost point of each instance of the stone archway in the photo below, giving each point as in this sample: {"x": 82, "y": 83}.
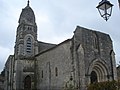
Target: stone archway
{"x": 98, "y": 71}
{"x": 27, "y": 83}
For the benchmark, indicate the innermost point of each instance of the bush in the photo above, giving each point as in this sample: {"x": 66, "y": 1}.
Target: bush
{"x": 107, "y": 85}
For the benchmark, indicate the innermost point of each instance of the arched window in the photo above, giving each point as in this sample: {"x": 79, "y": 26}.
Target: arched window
{"x": 42, "y": 73}
{"x": 29, "y": 28}
{"x": 56, "y": 71}
{"x": 95, "y": 42}
{"x": 27, "y": 83}
{"x": 29, "y": 45}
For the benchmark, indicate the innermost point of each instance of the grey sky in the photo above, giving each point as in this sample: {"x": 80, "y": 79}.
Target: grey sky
{"x": 56, "y": 21}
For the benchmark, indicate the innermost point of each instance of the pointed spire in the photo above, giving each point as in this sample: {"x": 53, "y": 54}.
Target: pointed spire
{"x": 28, "y": 3}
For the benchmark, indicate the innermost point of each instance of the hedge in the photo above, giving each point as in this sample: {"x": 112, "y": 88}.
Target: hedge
{"x": 107, "y": 85}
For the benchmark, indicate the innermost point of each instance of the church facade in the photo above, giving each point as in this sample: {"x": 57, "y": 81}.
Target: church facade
{"x": 86, "y": 58}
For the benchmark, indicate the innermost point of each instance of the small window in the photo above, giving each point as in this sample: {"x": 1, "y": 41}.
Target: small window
{"x": 29, "y": 28}
{"x": 95, "y": 41}
{"x": 42, "y": 73}
{"x": 56, "y": 71}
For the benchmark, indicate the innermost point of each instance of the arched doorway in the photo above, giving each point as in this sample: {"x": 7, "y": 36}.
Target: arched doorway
{"x": 98, "y": 71}
{"x": 27, "y": 83}
{"x": 93, "y": 77}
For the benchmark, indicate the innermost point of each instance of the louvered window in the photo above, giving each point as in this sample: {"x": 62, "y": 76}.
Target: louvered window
{"x": 29, "y": 45}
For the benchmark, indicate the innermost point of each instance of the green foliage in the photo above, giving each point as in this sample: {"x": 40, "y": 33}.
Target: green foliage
{"x": 69, "y": 87}
{"x": 108, "y": 85}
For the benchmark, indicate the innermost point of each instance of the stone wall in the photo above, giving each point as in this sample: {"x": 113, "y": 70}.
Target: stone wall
{"x": 9, "y": 65}
{"x": 42, "y": 46}
{"x": 97, "y": 47}
{"x": 1, "y": 82}
{"x": 53, "y": 67}
{"x": 23, "y": 68}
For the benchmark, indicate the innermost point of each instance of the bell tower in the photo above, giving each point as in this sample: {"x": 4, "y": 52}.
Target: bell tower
{"x": 26, "y": 37}
{"x": 26, "y": 47}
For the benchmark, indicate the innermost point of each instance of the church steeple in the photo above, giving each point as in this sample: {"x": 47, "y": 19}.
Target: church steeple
{"x": 26, "y": 38}
{"x": 27, "y": 15}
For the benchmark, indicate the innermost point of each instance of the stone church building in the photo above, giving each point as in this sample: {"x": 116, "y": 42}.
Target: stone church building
{"x": 86, "y": 58}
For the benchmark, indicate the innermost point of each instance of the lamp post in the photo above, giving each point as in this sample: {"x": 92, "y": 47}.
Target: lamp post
{"x": 105, "y": 9}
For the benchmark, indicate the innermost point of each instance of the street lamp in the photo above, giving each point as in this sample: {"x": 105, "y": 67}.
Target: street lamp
{"x": 105, "y": 9}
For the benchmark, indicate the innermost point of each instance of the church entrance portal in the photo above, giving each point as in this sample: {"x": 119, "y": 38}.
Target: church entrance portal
{"x": 27, "y": 83}
{"x": 93, "y": 77}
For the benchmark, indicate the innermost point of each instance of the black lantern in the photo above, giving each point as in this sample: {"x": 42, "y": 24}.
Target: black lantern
{"x": 105, "y": 9}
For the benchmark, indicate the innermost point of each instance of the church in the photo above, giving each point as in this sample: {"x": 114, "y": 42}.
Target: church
{"x": 85, "y": 58}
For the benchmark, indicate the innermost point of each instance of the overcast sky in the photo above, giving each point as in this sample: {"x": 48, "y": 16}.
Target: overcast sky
{"x": 56, "y": 21}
